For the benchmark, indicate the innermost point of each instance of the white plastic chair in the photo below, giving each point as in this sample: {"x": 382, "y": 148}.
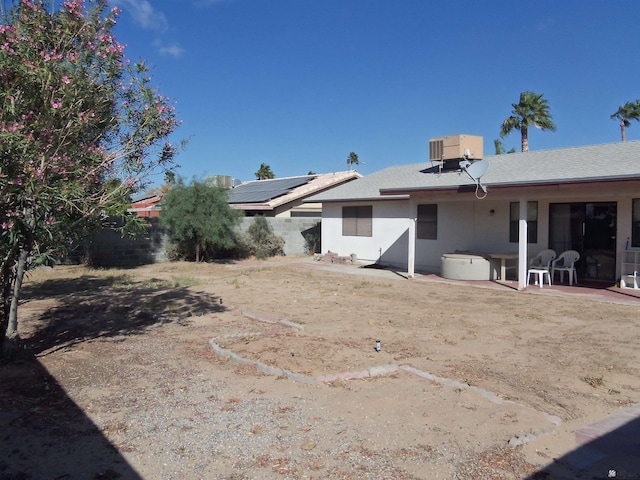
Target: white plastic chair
{"x": 566, "y": 263}
{"x": 540, "y": 265}
{"x": 543, "y": 259}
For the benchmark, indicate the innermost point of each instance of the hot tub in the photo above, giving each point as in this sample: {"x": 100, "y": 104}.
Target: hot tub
{"x": 465, "y": 266}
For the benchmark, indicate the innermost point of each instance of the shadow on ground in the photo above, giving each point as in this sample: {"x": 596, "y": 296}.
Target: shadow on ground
{"x": 43, "y": 433}
{"x": 90, "y": 307}
{"x": 611, "y": 455}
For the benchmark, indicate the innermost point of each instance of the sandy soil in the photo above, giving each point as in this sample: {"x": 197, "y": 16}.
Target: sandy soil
{"x": 120, "y": 378}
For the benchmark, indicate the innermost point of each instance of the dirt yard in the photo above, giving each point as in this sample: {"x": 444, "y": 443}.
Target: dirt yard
{"x": 151, "y": 373}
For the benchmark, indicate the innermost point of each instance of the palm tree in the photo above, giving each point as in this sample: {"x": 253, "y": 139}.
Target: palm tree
{"x": 264, "y": 172}
{"x": 352, "y": 159}
{"x": 532, "y": 110}
{"x": 627, "y": 112}
{"x": 500, "y": 148}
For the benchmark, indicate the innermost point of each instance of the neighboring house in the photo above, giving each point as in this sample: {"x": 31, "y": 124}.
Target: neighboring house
{"x": 283, "y": 197}
{"x": 407, "y": 216}
{"x": 281, "y": 201}
{"x": 148, "y": 206}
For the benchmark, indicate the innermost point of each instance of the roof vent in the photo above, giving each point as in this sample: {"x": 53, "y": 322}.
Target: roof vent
{"x": 454, "y": 148}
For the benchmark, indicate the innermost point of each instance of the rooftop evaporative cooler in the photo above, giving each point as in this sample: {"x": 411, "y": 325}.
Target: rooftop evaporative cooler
{"x": 454, "y": 148}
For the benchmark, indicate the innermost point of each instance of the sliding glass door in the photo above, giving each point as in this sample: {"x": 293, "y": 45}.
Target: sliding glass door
{"x": 589, "y": 228}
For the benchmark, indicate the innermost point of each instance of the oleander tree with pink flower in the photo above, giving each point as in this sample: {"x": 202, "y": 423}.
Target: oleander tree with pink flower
{"x": 81, "y": 130}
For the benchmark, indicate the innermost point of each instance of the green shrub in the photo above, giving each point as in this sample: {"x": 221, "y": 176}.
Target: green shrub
{"x": 261, "y": 241}
{"x": 312, "y": 239}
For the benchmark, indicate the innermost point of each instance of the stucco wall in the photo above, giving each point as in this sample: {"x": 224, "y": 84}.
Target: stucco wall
{"x": 457, "y": 230}
{"x": 464, "y": 224}
{"x": 389, "y": 239}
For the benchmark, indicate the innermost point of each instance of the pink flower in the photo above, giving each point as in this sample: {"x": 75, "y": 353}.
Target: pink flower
{"x": 66, "y": 80}
{"x": 56, "y": 104}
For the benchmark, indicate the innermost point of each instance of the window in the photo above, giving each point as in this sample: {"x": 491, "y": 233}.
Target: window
{"x": 635, "y": 223}
{"x": 427, "y": 227}
{"x": 356, "y": 221}
{"x": 532, "y": 222}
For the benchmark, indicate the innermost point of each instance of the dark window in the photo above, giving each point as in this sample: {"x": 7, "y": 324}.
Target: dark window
{"x": 532, "y": 222}
{"x": 356, "y": 221}
{"x": 635, "y": 223}
{"x": 427, "y": 227}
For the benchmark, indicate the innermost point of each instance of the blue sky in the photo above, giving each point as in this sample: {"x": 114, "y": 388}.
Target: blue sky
{"x": 299, "y": 84}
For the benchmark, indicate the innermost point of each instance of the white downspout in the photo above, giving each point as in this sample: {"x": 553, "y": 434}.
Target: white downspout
{"x": 522, "y": 245}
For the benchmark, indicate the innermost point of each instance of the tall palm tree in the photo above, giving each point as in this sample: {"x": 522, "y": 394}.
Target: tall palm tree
{"x": 531, "y": 111}
{"x": 264, "y": 172}
{"x": 352, "y": 159}
{"x": 500, "y": 148}
{"x": 627, "y": 112}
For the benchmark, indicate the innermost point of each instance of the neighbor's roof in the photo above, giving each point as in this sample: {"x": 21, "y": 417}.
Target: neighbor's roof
{"x": 272, "y": 193}
{"x": 611, "y": 161}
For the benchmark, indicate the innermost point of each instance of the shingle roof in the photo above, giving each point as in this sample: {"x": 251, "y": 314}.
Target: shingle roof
{"x": 596, "y": 162}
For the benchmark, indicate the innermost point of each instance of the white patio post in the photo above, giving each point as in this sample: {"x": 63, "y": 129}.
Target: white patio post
{"x": 411, "y": 260}
{"x": 522, "y": 245}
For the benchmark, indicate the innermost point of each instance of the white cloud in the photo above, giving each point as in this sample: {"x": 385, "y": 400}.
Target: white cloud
{"x": 206, "y": 3}
{"x": 144, "y": 14}
{"x": 171, "y": 50}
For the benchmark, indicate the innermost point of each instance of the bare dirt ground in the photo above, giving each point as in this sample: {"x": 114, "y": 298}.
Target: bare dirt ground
{"x": 120, "y": 378}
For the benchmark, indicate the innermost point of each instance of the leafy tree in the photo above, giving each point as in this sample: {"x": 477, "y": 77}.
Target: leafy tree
{"x": 353, "y": 159}
{"x": 80, "y": 131}
{"x": 264, "y": 172}
{"x": 531, "y": 111}
{"x": 627, "y": 112}
{"x": 199, "y": 219}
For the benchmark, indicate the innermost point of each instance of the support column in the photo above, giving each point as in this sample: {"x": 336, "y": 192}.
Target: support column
{"x": 522, "y": 245}
{"x": 412, "y": 217}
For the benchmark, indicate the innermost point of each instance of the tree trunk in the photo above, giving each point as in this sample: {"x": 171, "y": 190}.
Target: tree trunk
{"x": 11, "y": 337}
{"x": 623, "y": 131}
{"x": 525, "y": 139}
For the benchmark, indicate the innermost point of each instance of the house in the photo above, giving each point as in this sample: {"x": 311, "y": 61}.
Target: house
{"x": 282, "y": 202}
{"x": 408, "y": 216}
{"x": 283, "y": 197}
{"x": 147, "y": 206}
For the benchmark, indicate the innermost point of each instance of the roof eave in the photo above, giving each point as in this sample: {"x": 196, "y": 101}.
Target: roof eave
{"x": 251, "y": 206}
{"x": 363, "y": 199}
{"x": 504, "y": 185}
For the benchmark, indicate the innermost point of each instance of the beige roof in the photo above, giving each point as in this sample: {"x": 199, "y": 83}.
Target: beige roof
{"x": 315, "y": 184}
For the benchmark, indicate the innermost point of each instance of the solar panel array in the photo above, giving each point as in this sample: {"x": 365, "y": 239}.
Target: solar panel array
{"x": 265, "y": 190}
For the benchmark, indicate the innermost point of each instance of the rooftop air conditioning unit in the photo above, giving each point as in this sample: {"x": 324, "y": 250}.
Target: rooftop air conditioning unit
{"x": 455, "y": 148}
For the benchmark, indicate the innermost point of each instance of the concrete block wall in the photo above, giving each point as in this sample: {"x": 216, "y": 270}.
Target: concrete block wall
{"x": 292, "y": 229}
{"x": 109, "y": 248}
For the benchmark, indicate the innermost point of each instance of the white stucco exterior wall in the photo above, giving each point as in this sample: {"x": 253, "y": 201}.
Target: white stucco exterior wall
{"x": 480, "y": 226}
{"x": 389, "y": 225}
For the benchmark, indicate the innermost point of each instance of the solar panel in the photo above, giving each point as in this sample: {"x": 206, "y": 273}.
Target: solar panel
{"x": 265, "y": 190}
